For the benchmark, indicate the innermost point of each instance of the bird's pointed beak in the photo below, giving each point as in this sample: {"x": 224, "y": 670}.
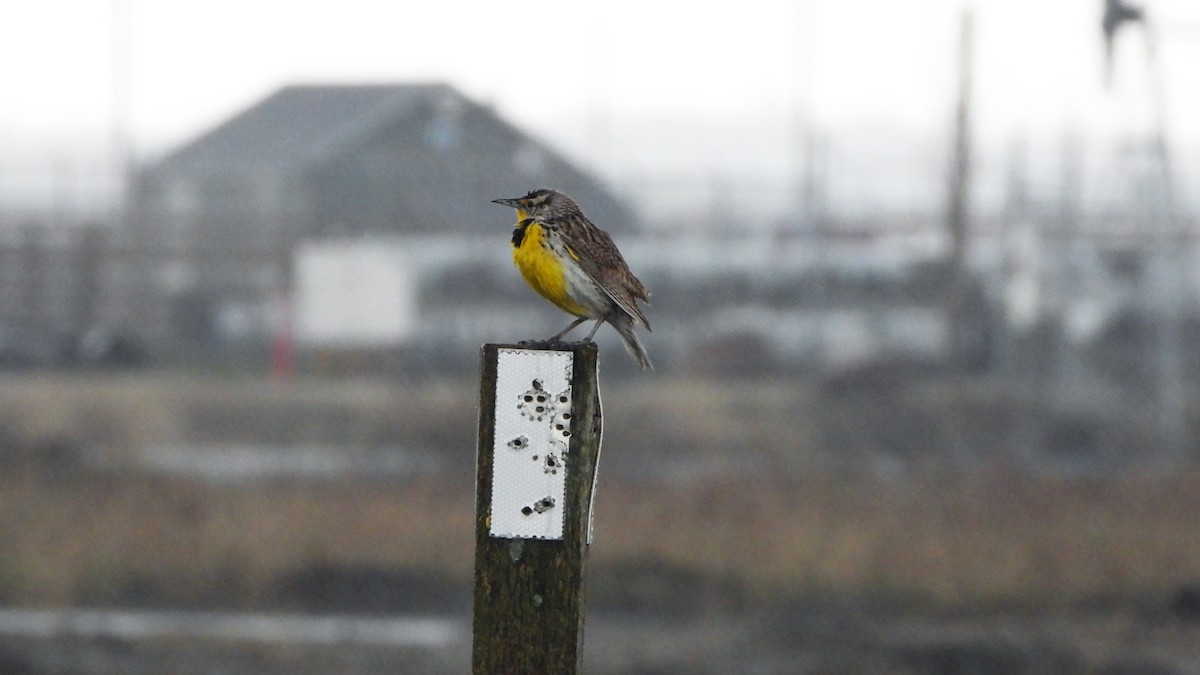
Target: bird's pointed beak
{"x": 514, "y": 203}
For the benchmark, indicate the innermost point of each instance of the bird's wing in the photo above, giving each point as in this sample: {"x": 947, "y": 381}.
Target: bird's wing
{"x": 596, "y": 253}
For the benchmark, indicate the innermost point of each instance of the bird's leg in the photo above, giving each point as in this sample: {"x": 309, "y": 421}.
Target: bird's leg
{"x": 568, "y": 329}
{"x": 594, "y": 329}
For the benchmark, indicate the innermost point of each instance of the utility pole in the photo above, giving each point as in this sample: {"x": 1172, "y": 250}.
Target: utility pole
{"x": 1171, "y": 250}
{"x": 956, "y": 298}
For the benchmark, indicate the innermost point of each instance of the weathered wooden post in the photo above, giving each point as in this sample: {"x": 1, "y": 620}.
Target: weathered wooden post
{"x": 539, "y": 441}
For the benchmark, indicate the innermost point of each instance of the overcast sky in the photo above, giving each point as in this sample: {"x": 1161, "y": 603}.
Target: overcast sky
{"x": 587, "y": 75}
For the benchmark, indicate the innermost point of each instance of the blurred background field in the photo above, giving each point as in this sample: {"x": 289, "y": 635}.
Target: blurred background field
{"x": 926, "y": 310}
{"x": 771, "y": 509}
{"x": 789, "y": 503}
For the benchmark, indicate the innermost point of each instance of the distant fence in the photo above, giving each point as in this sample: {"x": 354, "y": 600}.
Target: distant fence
{"x": 50, "y": 275}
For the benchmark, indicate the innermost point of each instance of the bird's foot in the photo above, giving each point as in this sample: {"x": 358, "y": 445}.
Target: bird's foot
{"x": 552, "y": 343}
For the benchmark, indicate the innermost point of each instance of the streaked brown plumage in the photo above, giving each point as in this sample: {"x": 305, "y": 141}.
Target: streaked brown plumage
{"x": 575, "y": 265}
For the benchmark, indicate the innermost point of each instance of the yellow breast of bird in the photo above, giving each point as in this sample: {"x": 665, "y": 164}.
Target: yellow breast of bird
{"x": 543, "y": 269}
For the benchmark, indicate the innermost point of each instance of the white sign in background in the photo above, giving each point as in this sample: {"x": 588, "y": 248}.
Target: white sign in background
{"x": 531, "y": 441}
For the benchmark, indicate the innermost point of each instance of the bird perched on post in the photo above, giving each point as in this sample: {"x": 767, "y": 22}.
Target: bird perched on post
{"x": 575, "y": 265}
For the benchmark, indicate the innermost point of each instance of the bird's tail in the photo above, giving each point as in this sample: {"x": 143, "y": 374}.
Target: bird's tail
{"x": 625, "y": 328}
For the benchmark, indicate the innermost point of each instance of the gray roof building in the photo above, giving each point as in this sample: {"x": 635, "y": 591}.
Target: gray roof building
{"x": 380, "y": 158}
{"x": 216, "y": 220}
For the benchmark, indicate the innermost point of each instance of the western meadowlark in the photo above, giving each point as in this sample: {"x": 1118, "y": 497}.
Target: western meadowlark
{"x": 575, "y": 265}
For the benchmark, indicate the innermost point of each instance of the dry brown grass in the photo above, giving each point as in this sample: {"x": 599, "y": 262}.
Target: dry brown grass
{"x": 946, "y": 539}
{"x": 61, "y": 539}
{"x": 946, "y": 536}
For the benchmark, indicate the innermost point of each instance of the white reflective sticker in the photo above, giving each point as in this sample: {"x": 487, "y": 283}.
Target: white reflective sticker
{"x": 531, "y": 443}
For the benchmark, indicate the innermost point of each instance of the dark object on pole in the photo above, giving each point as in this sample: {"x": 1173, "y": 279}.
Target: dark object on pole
{"x": 1116, "y": 13}
{"x": 529, "y": 602}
